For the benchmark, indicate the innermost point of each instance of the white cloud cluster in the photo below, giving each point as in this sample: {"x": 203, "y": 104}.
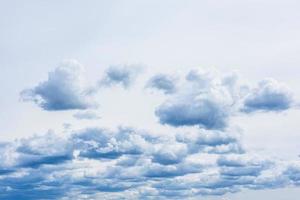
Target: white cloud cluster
{"x": 133, "y": 164}
{"x": 208, "y": 99}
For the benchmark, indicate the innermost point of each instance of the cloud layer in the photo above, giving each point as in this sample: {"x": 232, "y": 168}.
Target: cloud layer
{"x": 133, "y": 164}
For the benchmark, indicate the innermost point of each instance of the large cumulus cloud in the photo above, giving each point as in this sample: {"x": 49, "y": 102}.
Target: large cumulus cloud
{"x": 208, "y": 99}
{"x": 205, "y": 100}
{"x": 134, "y": 164}
{"x": 63, "y": 90}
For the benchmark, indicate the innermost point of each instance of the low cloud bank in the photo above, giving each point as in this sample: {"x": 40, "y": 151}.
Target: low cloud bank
{"x": 131, "y": 163}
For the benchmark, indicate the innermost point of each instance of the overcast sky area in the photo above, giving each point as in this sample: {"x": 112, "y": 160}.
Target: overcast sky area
{"x": 150, "y": 99}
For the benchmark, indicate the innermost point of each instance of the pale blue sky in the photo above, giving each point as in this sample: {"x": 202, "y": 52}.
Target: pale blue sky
{"x": 256, "y": 38}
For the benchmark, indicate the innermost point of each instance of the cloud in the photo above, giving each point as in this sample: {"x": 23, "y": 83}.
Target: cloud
{"x": 269, "y": 95}
{"x": 204, "y": 111}
{"x": 97, "y": 143}
{"x": 211, "y": 141}
{"x": 89, "y": 115}
{"x": 293, "y": 173}
{"x": 120, "y": 75}
{"x": 135, "y": 164}
{"x": 126, "y": 163}
{"x": 63, "y": 90}
{"x": 163, "y": 82}
{"x": 207, "y": 99}
{"x": 204, "y": 101}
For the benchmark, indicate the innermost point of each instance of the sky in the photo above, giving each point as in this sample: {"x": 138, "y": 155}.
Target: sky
{"x": 150, "y": 99}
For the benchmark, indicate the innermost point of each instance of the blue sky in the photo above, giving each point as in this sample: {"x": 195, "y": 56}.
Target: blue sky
{"x": 149, "y": 99}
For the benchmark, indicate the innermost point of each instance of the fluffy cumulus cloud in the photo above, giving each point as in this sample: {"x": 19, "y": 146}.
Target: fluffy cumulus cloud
{"x": 123, "y": 75}
{"x": 133, "y": 164}
{"x": 269, "y": 95}
{"x": 63, "y": 90}
{"x": 163, "y": 82}
{"x": 208, "y": 99}
{"x": 205, "y": 100}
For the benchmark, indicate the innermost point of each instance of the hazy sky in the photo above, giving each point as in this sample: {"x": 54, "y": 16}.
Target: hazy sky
{"x": 138, "y": 40}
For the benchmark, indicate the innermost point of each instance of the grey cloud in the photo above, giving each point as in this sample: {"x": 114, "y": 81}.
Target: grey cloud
{"x": 35, "y": 151}
{"x": 120, "y": 75}
{"x": 202, "y": 101}
{"x": 270, "y": 95}
{"x": 163, "y": 82}
{"x": 217, "y": 142}
{"x": 201, "y": 112}
{"x": 293, "y": 173}
{"x": 207, "y": 99}
{"x": 63, "y": 90}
